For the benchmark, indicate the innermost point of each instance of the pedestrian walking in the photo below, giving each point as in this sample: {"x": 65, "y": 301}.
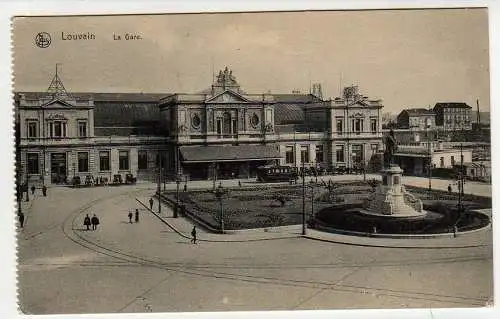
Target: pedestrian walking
{"x": 449, "y": 188}
{"x": 86, "y": 221}
{"x": 33, "y": 190}
{"x": 455, "y": 230}
{"x": 136, "y": 215}
{"x": 239, "y": 183}
{"x": 44, "y": 191}
{"x": 185, "y": 187}
{"x": 94, "y": 221}
{"x": 151, "y": 203}
{"x": 21, "y": 219}
{"x": 193, "y": 234}
{"x": 130, "y": 217}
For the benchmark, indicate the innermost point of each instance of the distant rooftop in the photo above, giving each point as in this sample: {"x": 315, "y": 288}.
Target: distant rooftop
{"x": 454, "y": 105}
{"x": 419, "y": 111}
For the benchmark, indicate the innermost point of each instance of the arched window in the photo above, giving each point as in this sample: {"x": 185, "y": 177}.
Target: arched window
{"x": 226, "y": 118}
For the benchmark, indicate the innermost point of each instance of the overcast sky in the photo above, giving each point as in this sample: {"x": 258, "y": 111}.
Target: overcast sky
{"x": 408, "y": 58}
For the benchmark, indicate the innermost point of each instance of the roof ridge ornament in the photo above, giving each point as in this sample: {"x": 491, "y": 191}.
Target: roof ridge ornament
{"x": 56, "y": 88}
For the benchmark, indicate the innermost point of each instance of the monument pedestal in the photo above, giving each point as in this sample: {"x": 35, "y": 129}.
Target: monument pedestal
{"x": 391, "y": 198}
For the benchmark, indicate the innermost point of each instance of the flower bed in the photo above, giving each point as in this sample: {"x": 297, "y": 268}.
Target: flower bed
{"x": 248, "y": 208}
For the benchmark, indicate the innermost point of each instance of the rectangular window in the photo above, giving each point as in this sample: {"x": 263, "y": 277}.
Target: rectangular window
{"x": 57, "y": 129}
{"x": 104, "y": 161}
{"x": 304, "y": 154}
{"x": 373, "y": 126}
{"x": 235, "y": 126}
{"x": 142, "y": 160}
{"x": 289, "y": 155}
{"x": 374, "y": 148}
{"x": 441, "y": 162}
{"x": 357, "y": 153}
{"x": 32, "y": 129}
{"x": 340, "y": 153}
{"x": 340, "y": 126}
{"x": 452, "y": 160}
{"x": 83, "y": 162}
{"x": 33, "y": 163}
{"x": 123, "y": 161}
{"x": 219, "y": 126}
{"x": 357, "y": 126}
{"x": 319, "y": 153}
{"x": 82, "y": 128}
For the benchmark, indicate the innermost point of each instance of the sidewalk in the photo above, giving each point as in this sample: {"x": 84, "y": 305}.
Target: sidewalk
{"x": 480, "y": 238}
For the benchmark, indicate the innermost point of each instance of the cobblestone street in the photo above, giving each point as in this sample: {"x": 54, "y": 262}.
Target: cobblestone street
{"x": 151, "y": 267}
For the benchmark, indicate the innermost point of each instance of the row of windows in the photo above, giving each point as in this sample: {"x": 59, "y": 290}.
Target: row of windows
{"x": 456, "y": 110}
{"x": 33, "y": 161}
{"x": 357, "y": 126}
{"x": 226, "y": 126}
{"x": 452, "y": 160}
{"x": 356, "y": 152}
{"x": 456, "y": 116}
{"x": 304, "y": 154}
{"x": 56, "y": 129}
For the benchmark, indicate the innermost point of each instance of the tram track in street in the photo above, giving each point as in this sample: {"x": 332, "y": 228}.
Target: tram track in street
{"x": 195, "y": 270}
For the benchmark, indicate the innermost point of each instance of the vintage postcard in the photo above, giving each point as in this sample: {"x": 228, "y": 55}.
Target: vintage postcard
{"x": 308, "y": 160}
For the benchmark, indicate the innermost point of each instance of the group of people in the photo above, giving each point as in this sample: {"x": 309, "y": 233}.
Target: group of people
{"x": 136, "y": 216}
{"x": 44, "y": 190}
{"x": 94, "y": 221}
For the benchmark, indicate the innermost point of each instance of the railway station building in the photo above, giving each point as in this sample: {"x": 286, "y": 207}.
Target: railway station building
{"x": 221, "y": 132}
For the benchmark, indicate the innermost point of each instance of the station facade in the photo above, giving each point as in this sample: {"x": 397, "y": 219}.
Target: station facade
{"x": 222, "y": 132}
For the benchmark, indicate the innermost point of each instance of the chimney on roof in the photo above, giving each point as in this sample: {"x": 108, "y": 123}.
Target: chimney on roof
{"x": 317, "y": 91}
{"x": 478, "y": 114}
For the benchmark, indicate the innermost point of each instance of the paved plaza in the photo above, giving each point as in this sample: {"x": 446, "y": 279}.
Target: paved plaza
{"x": 151, "y": 266}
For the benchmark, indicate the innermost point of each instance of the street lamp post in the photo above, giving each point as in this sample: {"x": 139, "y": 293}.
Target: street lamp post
{"x": 312, "y": 202}
{"x": 177, "y": 181}
{"x": 364, "y": 171}
{"x": 461, "y": 185}
{"x": 27, "y": 188}
{"x": 164, "y": 180}
{"x": 219, "y": 192}
{"x": 303, "y": 199}
{"x": 159, "y": 188}
{"x": 427, "y": 126}
{"x": 214, "y": 173}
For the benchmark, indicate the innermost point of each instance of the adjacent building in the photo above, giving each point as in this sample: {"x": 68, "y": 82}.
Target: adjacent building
{"x": 414, "y": 158}
{"x": 419, "y": 119}
{"x": 453, "y": 116}
{"x": 354, "y": 129}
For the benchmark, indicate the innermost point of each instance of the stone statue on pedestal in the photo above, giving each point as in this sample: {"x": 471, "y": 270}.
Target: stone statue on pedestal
{"x": 390, "y": 148}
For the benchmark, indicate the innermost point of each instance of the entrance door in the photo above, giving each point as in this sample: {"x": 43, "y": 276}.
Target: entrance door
{"x": 357, "y": 156}
{"x": 58, "y": 168}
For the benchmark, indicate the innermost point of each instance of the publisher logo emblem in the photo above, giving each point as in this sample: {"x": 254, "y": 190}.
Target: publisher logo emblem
{"x": 43, "y": 40}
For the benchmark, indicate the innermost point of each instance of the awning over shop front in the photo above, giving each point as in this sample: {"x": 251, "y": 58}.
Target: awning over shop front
{"x": 228, "y": 153}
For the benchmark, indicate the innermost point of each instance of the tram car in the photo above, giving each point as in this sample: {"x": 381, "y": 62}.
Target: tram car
{"x": 277, "y": 174}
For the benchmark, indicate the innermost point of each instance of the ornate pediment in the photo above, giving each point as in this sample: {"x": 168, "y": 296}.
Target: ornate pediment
{"x": 57, "y": 103}
{"x": 227, "y": 97}
{"x": 358, "y": 103}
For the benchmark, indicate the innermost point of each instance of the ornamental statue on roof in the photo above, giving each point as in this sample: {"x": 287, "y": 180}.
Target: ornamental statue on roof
{"x": 225, "y": 81}
{"x": 226, "y": 77}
